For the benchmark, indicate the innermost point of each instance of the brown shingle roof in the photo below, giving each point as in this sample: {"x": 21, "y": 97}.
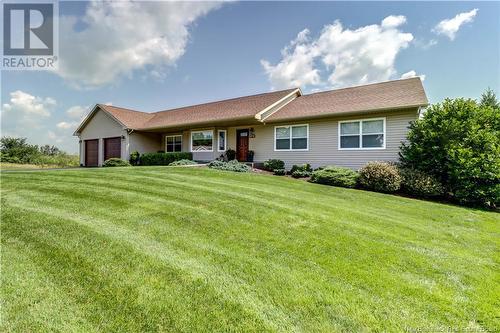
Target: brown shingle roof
{"x": 372, "y": 97}
{"x": 230, "y": 109}
{"x": 130, "y": 118}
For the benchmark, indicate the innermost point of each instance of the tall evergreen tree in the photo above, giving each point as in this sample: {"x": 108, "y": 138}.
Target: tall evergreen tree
{"x": 488, "y": 98}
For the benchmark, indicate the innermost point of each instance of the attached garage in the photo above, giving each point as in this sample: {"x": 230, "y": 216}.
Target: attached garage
{"x": 112, "y": 148}
{"x": 91, "y": 152}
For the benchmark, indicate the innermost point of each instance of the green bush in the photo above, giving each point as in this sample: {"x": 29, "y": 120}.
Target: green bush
{"x": 273, "y": 164}
{"x": 420, "y": 184}
{"x": 135, "y": 158}
{"x": 380, "y": 177}
{"x": 300, "y": 174}
{"x": 115, "y": 162}
{"x": 458, "y": 142}
{"x": 335, "y": 176}
{"x": 301, "y": 171}
{"x": 230, "y": 154}
{"x": 279, "y": 172}
{"x": 232, "y": 165}
{"x": 164, "y": 158}
{"x": 182, "y": 162}
{"x": 18, "y": 150}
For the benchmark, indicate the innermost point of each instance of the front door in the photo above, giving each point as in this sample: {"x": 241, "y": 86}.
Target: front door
{"x": 242, "y": 145}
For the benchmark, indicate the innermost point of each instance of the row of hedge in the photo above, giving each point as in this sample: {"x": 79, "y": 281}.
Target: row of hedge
{"x": 375, "y": 176}
{"x": 159, "y": 158}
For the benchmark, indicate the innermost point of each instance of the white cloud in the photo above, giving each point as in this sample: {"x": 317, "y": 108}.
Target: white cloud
{"x": 120, "y": 37}
{"x": 350, "y": 57}
{"x": 297, "y": 66}
{"x": 29, "y": 105}
{"x": 67, "y": 125}
{"x": 425, "y": 44}
{"x": 450, "y": 27}
{"x": 77, "y": 112}
{"x": 412, "y": 73}
{"x": 393, "y": 21}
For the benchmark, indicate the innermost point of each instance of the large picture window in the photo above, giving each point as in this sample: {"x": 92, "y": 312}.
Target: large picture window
{"x": 173, "y": 143}
{"x": 293, "y": 137}
{"x": 202, "y": 141}
{"x": 362, "y": 134}
{"x": 221, "y": 140}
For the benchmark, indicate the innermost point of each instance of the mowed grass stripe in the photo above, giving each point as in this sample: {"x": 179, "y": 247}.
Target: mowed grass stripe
{"x": 197, "y": 269}
{"x": 405, "y": 223}
{"x": 103, "y": 281}
{"x": 333, "y": 264}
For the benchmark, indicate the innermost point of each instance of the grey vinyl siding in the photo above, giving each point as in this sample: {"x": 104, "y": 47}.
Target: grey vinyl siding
{"x": 145, "y": 142}
{"x": 323, "y": 142}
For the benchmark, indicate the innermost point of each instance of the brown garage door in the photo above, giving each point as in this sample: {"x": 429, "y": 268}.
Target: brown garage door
{"x": 91, "y": 152}
{"x": 112, "y": 148}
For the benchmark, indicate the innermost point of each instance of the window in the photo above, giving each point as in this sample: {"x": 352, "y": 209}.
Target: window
{"x": 202, "y": 141}
{"x": 221, "y": 141}
{"x": 362, "y": 134}
{"x": 294, "y": 137}
{"x": 174, "y": 143}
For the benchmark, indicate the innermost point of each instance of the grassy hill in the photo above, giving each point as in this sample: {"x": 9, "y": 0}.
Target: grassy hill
{"x": 191, "y": 249}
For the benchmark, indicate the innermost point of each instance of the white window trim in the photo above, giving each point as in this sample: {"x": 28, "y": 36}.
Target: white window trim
{"x": 291, "y": 126}
{"x": 361, "y": 133}
{"x": 225, "y": 140}
{"x": 204, "y": 151}
{"x": 172, "y": 136}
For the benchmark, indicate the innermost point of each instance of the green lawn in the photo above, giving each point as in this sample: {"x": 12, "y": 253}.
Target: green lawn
{"x": 192, "y": 249}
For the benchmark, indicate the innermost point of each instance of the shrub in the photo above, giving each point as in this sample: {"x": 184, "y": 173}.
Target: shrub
{"x": 115, "y": 162}
{"x": 458, "y": 142}
{"x": 420, "y": 184}
{"x": 335, "y": 176}
{"x": 300, "y": 174}
{"x": 273, "y": 164}
{"x": 380, "y": 176}
{"x": 279, "y": 172}
{"x": 230, "y": 154}
{"x": 229, "y": 166}
{"x": 183, "y": 162}
{"x": 164, "y": 158}
{"x": 301, "y": 171}
{"x": 303, "y": 167}
{"x": 135, "y": 158}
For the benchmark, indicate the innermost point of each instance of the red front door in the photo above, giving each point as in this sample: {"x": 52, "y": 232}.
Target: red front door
{"x": 242, "y": 145}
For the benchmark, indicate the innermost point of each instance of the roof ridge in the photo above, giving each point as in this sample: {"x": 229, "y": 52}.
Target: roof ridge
{"x": 362, "y": 85}
{"x": 119, "y": 107}
{"x": 224, "y": 100}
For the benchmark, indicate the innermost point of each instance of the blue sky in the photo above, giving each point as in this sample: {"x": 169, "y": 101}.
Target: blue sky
{"x": 197, "y": 52}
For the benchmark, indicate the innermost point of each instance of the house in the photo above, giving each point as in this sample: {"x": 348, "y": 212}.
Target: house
{"x": 345, "y": 127}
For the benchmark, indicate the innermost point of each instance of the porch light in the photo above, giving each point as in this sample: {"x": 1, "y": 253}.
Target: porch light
{"x": 252, "y": 133}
